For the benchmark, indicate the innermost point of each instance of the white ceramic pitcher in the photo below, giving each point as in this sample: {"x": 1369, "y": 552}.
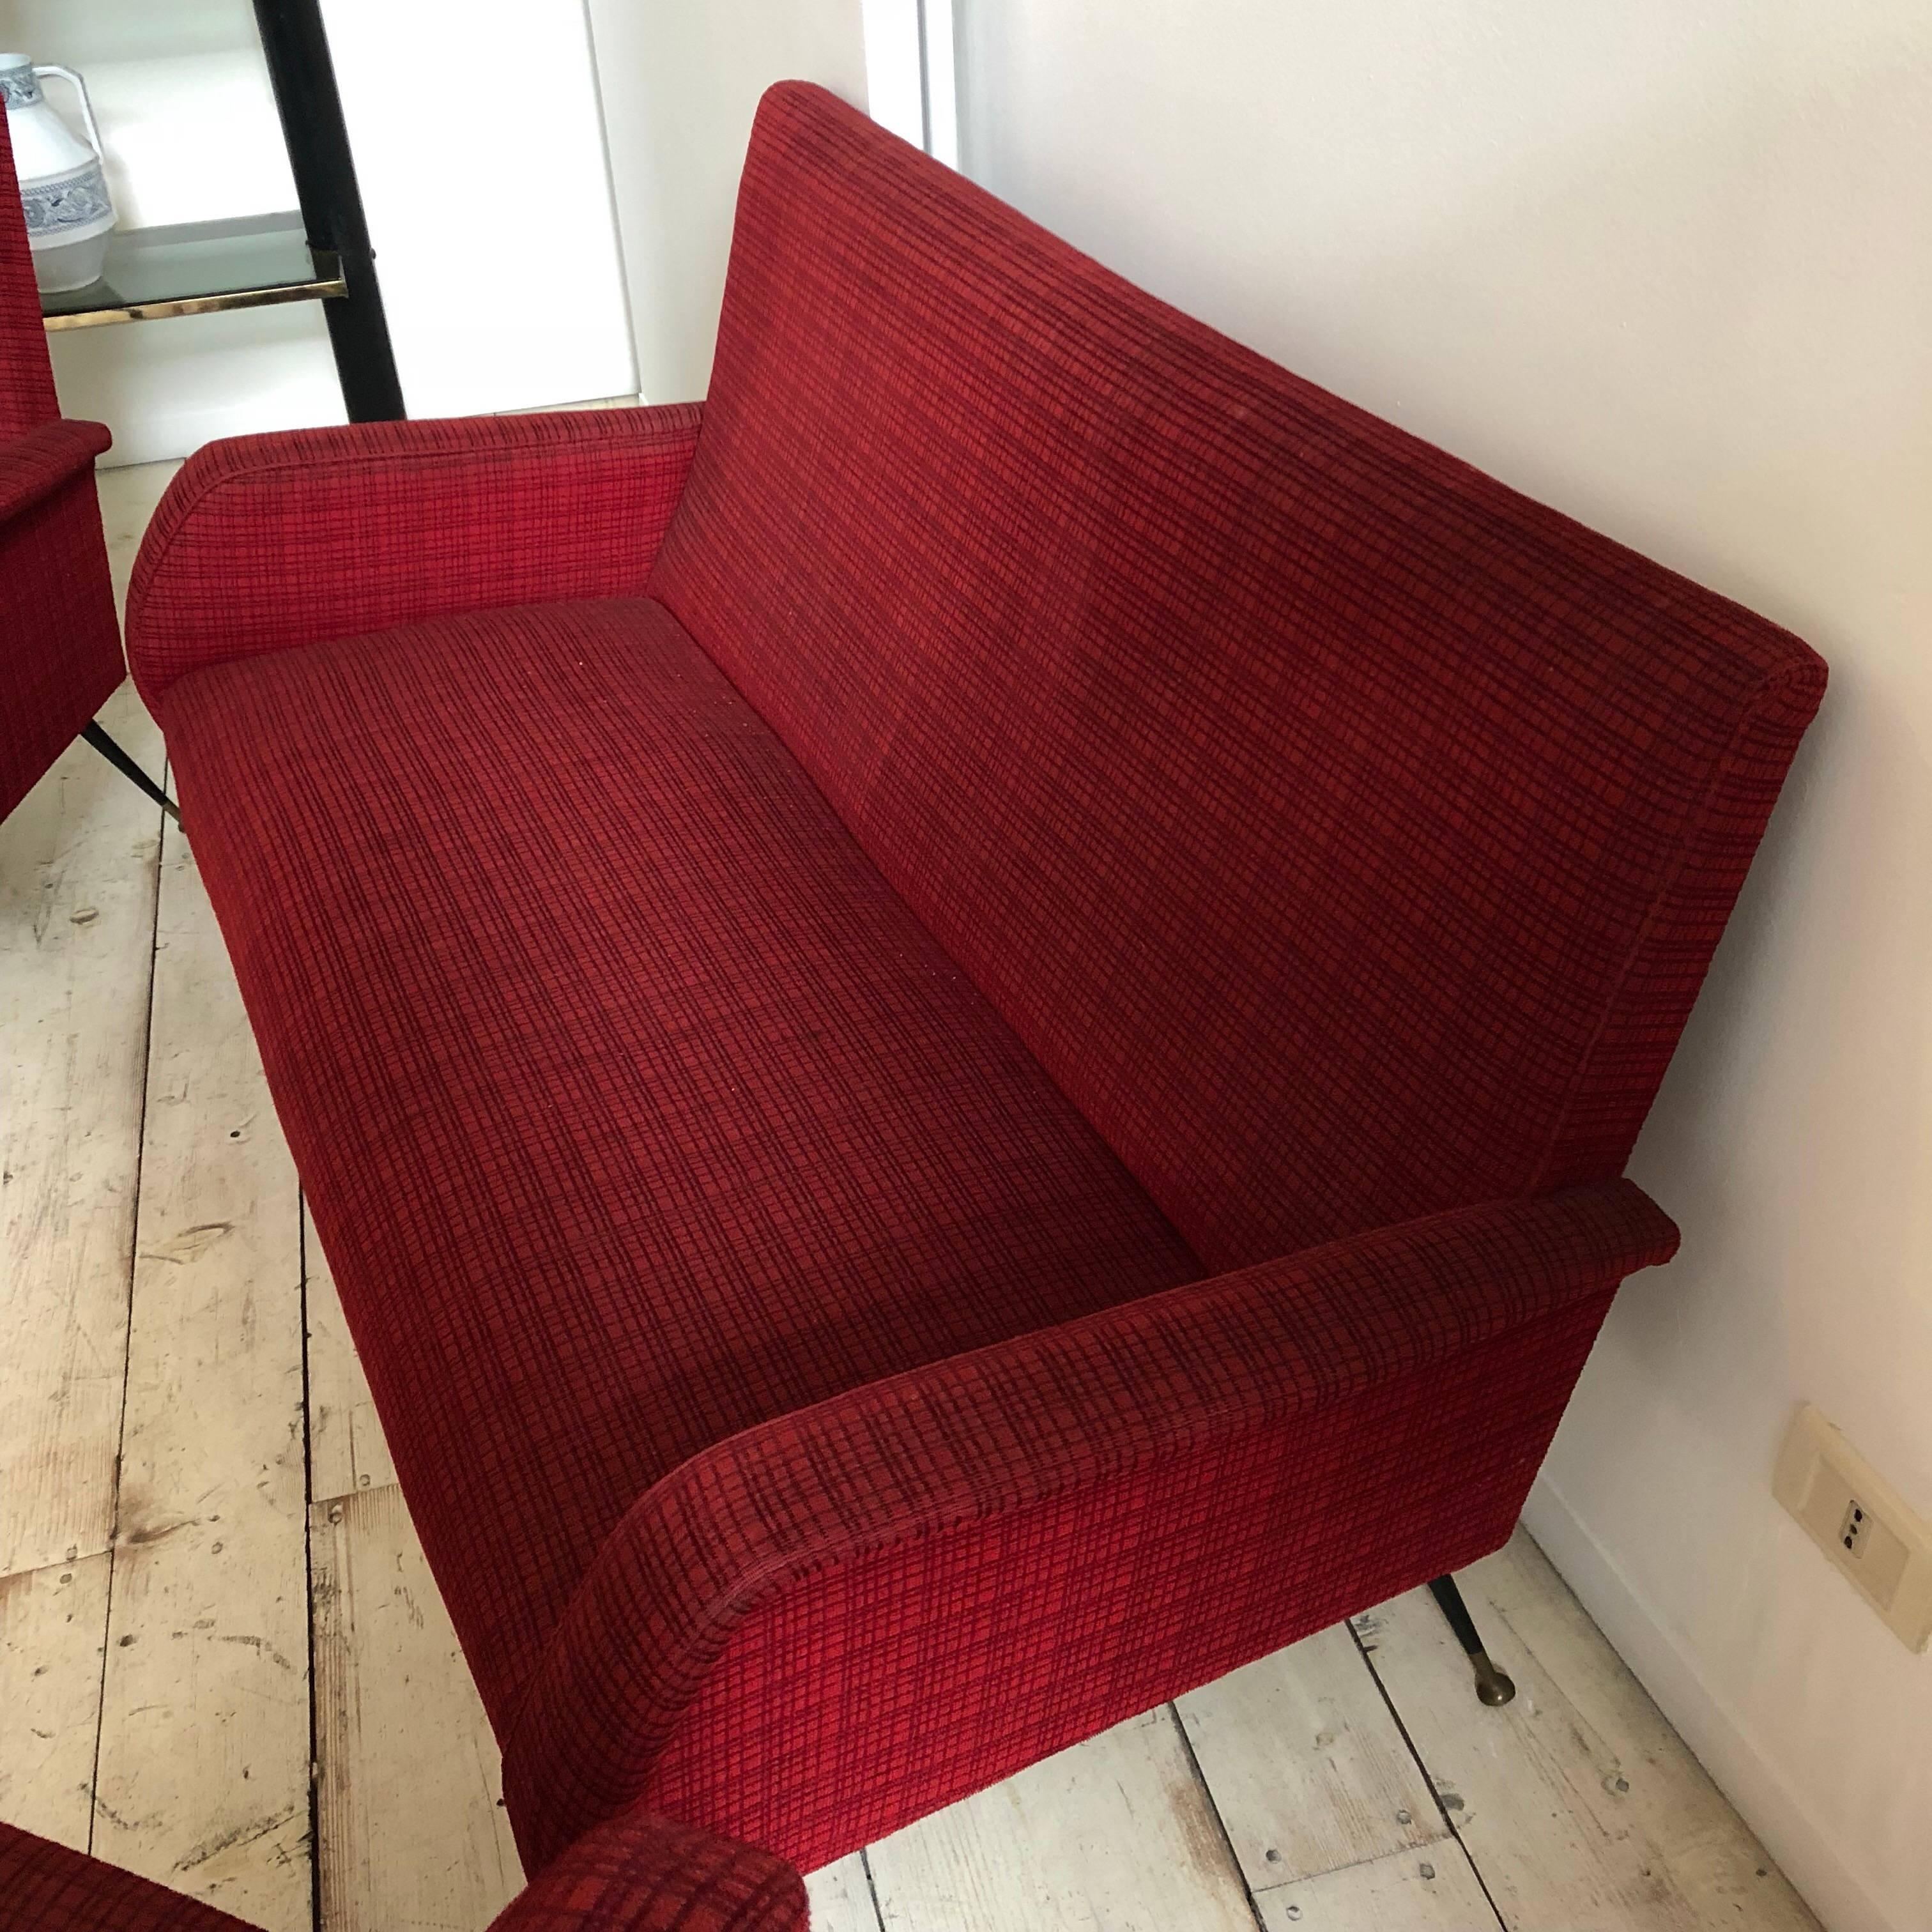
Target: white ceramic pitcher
{"x": 70, "y": 213}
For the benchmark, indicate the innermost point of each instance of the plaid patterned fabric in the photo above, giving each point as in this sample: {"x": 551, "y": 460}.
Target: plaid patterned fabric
{"x": 794, "y": 1346}
{"x": 1357, "y": 1383}
{"x": 637, "y": 1874}
{"x": 640, "y": 1874}
{"x": 37, "y": 463}
{"x": 60, "y": 653}
{"x": 1346, "y": 834}
{"x": 46, "y": 1888}
{"x": 263, "y": 543}
{"x": 590, "y": 1022}
{"x": 27, "y": 397}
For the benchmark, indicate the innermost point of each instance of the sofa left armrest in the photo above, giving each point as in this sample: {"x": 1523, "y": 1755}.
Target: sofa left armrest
{"x": 644, "y": 1874}
{"x": 265, "y": 543}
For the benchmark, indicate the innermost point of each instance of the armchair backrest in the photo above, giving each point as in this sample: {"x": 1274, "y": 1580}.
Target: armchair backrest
{"x": 1347, "y": 835}
{"x": 60, "y": 647}
{"x": 26, "y": 375}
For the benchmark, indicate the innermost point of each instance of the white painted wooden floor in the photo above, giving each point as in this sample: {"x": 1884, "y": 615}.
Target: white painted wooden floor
{"x": 211, "y": 1596}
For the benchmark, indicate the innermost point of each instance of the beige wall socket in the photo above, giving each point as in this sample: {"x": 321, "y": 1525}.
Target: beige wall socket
{"x": 1861, "y": 1523}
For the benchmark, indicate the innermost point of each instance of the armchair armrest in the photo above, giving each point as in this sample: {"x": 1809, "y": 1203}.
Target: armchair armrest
{"x": 263, "y": 543}
{"x": 641, "y": 1873}
{"x": 637, "y": 1873}
{"x": 47, "y": 1888}
{"x": 951, "y": 1446}
{"x": 35, "y": 463}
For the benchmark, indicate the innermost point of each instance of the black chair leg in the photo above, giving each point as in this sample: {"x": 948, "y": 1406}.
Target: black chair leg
{"x": 127, "y": 767}
{"x": 1492, "y": 1686}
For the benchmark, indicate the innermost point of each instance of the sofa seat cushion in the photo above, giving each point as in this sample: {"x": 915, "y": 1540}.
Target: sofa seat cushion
{"x": 636, "y": 1108}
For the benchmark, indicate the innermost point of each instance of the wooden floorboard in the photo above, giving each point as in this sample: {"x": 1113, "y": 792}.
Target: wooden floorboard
{"x": 410, "y": 1819}
{"x": 1117, "y": 1832}
{"x": 1432, "y": 1890}
{"x": 203, "y": 1777}
{"x": 841, "y": 1896}
{"x": 1579, "y": 1805}
{"x": 1307, "y": 1765}
{"x": 347, "y": 1451}
{"x": 53, "y": 1631}
{"x": 77, "y": 860}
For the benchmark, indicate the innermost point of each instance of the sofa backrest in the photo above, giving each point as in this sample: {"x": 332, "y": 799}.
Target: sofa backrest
{"x": 1347, "y": 835}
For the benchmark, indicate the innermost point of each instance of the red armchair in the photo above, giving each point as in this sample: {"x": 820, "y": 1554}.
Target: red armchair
{"x": 962, "y": 1028}
{"x": 61, "y": 657}
{"x": 626, "y": 1876}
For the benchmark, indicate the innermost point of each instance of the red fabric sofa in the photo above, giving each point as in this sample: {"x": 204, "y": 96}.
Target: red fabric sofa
{"x": 60, "y": 650}
{"x": 962, "y": 1028}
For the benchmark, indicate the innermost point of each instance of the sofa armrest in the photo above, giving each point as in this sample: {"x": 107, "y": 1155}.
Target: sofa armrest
{"x": 35, "y": 463}
{"x": 263, "y": 543}
{"x": 641, "y": 1873}
{"x": 947, "y": 1446}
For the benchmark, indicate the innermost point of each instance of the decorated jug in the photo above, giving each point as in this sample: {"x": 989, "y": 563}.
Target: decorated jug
{"x": 70, "y": 215}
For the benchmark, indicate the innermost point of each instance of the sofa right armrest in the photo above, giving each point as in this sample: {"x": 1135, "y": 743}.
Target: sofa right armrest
{"x": 265, "y": 543}
{"x": 953, "y": 1447}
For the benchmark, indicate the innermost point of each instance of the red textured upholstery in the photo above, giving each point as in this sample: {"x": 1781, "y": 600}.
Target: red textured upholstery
{"x": 641, "y": 1873}
{"x": 27, "y": 397}
{"x": 1347, "y": 834}
{"x": 264, "y": 542}
{"x": 1346, "y": 1379}
{"x": 60, "y": 652}
{"x": 638, "y": 1873}
{"x": 670, "y": 1116}
{"x": 46, "y": 1888}
{"x": 822, "y": 1083}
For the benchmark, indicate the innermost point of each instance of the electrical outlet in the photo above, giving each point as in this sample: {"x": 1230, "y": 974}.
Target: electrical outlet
{"x": 1855, "y": 1527}
{"x": 1868, "y": 1529}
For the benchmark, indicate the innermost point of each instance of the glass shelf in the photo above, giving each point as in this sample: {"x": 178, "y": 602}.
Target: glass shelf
{"x": 247, "y": 262}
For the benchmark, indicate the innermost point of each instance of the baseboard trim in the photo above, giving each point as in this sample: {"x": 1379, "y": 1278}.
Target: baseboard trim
{"x": 1703, "y": 1719}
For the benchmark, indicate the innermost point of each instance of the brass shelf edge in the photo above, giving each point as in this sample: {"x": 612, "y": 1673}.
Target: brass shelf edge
{"x": 328, "y": 286}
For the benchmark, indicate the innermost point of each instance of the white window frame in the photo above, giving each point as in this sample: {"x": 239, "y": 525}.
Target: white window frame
{"x": 911, "y": 80}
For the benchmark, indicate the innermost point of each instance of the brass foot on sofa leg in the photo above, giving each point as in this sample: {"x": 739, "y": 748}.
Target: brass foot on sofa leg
{"x": 1492, "y": 1686}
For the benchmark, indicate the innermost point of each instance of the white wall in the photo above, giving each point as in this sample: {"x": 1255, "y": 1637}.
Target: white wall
{"x": 480, "y": 152}
{"x": 680, "y": 82}
{"x": 482, "y": 164}
{"x": 1670, "y": 267}
{"x": 894, "y": 66}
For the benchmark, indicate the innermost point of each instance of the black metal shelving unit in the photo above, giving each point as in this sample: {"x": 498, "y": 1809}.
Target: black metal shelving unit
{"x": 319, "y": 253}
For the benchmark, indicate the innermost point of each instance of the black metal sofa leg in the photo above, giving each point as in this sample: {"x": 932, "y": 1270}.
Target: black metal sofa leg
{"x": 127, "y": 767}
{"x": 1492, "y": 1686}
